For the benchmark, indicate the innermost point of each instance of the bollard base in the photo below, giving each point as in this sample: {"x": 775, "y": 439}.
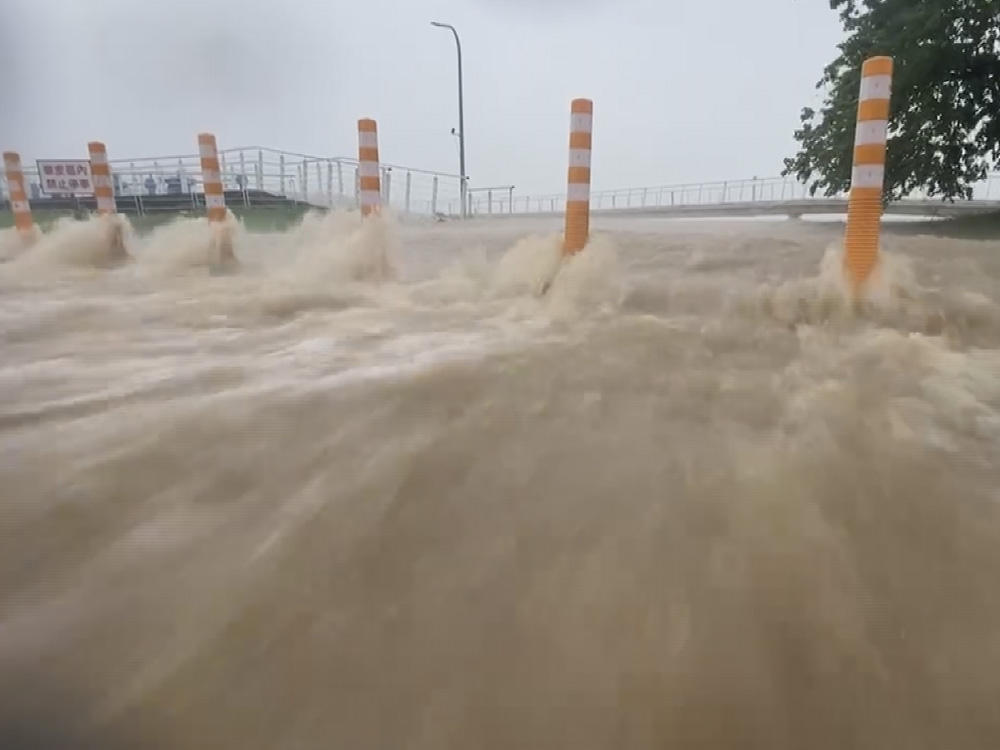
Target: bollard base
{"x": 119, "y": 254}
{"x": 14, "y": 242}
{"x": 29, "y": 237}
{"x": 546, "y": 284}
{"x": 222, "y": 259}
{"x": 114, "y": 228}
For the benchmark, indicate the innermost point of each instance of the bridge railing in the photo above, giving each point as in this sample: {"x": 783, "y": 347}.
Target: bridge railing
{"x": 658, "y": 196}
{"x": 263, "y": 175}
{"x": 752, "y": 190}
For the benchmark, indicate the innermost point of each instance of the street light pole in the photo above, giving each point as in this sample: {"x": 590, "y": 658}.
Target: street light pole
{"x": 461, "y": 118}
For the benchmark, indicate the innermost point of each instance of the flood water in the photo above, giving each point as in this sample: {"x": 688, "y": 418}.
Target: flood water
{"x": 374, "y": 491}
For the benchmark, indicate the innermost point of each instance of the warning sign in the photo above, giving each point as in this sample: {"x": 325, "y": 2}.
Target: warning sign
{"x": 65, "y": 177}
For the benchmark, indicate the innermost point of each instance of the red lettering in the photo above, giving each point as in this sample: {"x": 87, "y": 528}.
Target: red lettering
{"x": 49, "y": 183}
{"x": 60, "y": 169}
{"x": 85, "y": 184}
{"x": 74, "y": 183}
{"x": 47, "y": 169}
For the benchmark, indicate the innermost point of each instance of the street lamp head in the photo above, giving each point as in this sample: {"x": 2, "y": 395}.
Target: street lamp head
{"x": 438, "y": 24}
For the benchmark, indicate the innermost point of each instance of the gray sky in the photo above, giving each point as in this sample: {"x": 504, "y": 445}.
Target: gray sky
{"x": 683, "y": 90}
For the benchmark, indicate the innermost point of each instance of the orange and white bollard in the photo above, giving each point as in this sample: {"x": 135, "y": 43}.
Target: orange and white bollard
{"x": 578, "y": 189}
{"x": 100, "y": 172}
{"x": 368, "y": 169}
{"x": 100, "y": 175}
{"x": 864, "y": 210}
{"x": 19, "y": 205}
{"x": 211, "y": 175}
{"x": 215, "y": 201}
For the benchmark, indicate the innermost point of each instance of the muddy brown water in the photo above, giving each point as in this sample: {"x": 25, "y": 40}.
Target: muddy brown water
{"x": 372, "y": 491}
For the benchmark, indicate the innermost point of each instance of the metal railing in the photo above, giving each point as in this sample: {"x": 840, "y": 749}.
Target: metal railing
{"x": 486, "y": 199}
{"x": 754, "y": 189}
{"x": 264, "y": 176}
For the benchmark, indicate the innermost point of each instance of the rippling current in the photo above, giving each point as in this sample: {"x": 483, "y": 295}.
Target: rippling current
{"x": 375, "y": 491}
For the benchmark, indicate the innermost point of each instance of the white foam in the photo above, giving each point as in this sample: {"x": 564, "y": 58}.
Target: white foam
{"x": 94, "y": 243}
{"x": 186, "y": 244}
{"x": 340, "y": 246}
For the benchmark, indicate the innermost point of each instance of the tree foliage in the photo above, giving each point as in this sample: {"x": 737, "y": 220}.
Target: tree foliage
{"x": 944, "y": 126}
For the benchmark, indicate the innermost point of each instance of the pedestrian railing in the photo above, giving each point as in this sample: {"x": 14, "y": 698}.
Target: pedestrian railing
{"x": 719, "y": 192}
{"x": 260, "y": 175}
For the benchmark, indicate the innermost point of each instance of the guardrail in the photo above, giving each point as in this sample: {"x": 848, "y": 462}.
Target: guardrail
{"x": 769, "y": 189}
{"x": 260, "y": 175}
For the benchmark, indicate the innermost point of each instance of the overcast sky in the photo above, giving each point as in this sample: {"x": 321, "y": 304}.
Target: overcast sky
{"x": 683, "y": 90}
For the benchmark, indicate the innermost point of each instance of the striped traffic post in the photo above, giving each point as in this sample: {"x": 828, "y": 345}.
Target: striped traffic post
{"x": 368, "y": 170}
{"x": 211, "y": 177}
{"x": 100, "y": 172}
{"x": 864, "y": 209}
{"x": 215, "y": 200}
{"x": 578, "y": 188}
{"x": 19, "y": 205}
{"x": 100, "y": 177}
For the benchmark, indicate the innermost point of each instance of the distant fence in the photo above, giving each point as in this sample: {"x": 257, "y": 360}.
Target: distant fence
{"x": 259, "y": 176}
{"x": 256, "y": 176}
{"x": 769, "y": 189}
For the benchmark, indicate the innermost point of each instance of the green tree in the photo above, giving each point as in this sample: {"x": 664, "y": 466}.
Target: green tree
{"x": 944, "y": 126}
